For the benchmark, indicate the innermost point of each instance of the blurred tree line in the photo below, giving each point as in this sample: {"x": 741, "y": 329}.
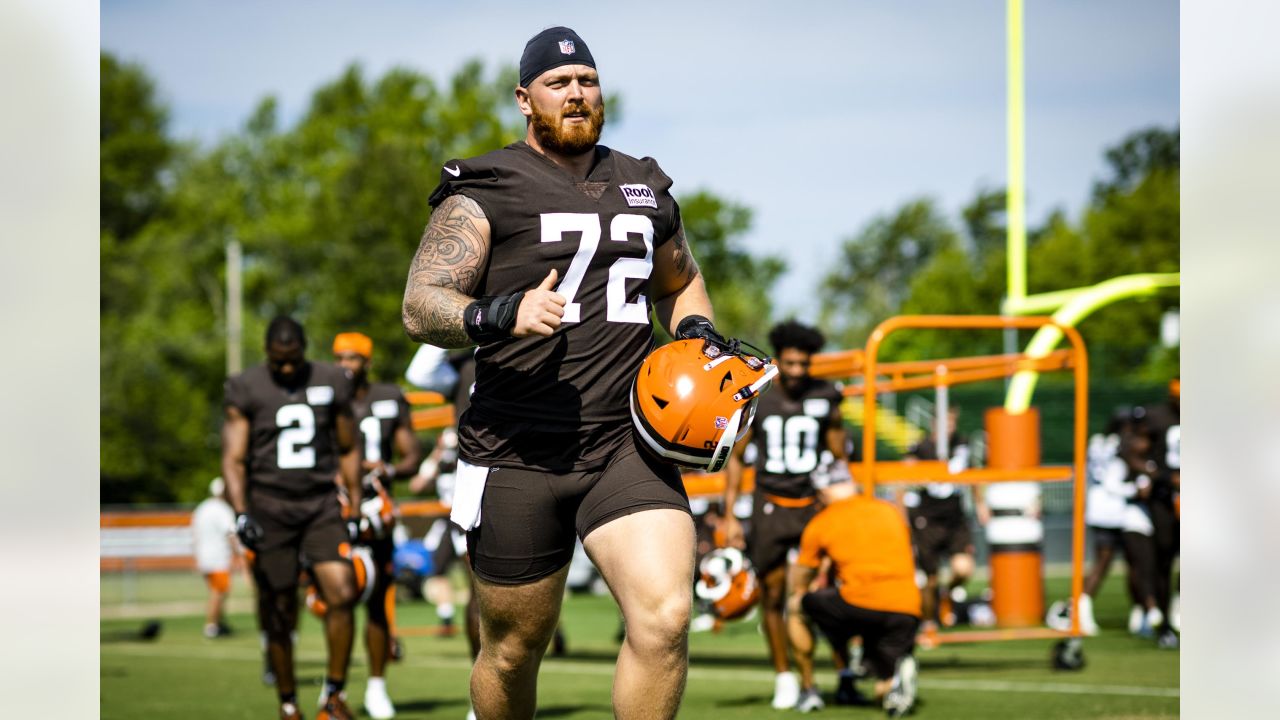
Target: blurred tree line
{"x": 917, "y": 260}
{"x": 330, "y": 209}
{"x": 329, "y": 212}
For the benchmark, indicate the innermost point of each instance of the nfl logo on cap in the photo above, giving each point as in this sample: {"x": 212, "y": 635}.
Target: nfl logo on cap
{"x": 566, "y": 47}
{"x": 721, "y": 422}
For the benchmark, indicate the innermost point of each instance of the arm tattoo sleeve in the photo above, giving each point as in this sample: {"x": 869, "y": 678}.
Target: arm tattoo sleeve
{"x": 444, "y": 272}
{"x": 685, "y": 264}
{"x": 680, "y": 267}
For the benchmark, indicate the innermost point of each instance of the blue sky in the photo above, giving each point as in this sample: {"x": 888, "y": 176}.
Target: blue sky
{"x": 817, "y": 115}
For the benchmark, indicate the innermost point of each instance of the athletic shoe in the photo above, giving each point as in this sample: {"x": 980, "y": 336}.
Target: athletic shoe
{"x": 786, "y": 691}
{"x": 335, "y": 708}
{"x": 848, "y": 694}
{"x": 289, "y": 711}
{"x": 1088, "y": 625}
{"x": 1168, "y": 640}
{"x": 810, "y": 700}
{"x": 376, "y": 701}
{"x": 1136, "y": 616}
{"x": 901, "y": 698}
{"x": 1152, "y": 620}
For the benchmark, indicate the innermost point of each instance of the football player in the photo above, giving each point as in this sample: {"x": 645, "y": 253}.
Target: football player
{"x": 550, "y": 254}
{"x": 287, "y": 432}
{"x": 1166, "y": 452}
{"x": 939, "y": 526}
{"x": 869, "y": 545}
{"x": 794, "y": 424}
{"x": 385, "y": 430}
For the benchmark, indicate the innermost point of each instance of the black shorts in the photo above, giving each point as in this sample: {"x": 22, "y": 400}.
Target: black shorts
{"x": 1107, "y": 537}
{"x": 293, "y": 527}
{"x": 529, "y": 518}
{"x": 938, "y": 535}
{"x": 775, "y": 530}
{"x": 886, "y": 636}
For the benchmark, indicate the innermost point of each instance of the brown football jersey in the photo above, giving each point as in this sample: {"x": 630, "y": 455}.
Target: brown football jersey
{"x": 790, "y": 435}
{"x": 600, "y": 235}
{"x": 382, "y": 410}
{"x": 293, "y": 445}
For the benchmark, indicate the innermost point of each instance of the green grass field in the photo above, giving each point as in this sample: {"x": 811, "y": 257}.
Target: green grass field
{"x": 182, "y": 675}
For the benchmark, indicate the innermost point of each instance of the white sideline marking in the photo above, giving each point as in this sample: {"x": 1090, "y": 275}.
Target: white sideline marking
{"x": 569, "y": 667}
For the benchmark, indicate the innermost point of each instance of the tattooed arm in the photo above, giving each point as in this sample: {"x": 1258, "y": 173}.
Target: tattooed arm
{"x": 444, "y": 273}
{"x": 676, "y": 285}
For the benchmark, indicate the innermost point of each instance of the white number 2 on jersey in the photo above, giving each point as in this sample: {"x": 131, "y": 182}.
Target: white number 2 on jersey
{"x": 793, "y": 444}
{"x": 555, "y": 225}
{"x": 297, "y": 425}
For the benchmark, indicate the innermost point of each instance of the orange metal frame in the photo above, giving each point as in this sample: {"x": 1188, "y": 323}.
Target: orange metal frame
{"x": 1079, "y": 363}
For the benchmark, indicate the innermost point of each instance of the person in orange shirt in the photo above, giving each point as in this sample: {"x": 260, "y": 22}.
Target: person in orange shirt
{"x": 869, "y": 544}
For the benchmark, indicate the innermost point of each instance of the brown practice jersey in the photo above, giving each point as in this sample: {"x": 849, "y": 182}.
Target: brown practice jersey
{"x": 600, "y": 236}
{"x": 293, "y": 444}
{"x": 790, "y": 435}
{"x": 383, "y": 409}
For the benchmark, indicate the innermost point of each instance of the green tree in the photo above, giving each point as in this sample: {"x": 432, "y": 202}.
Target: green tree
{"x": 1130, "y": 226}
{"x": 872, "y": 276}
{"x": 739, "y": 284}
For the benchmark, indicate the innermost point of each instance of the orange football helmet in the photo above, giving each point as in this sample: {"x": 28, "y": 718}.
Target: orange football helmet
{"x": 365, "y": 572}
{"x": 693, "y": 399}
{"x": 728, "y": 583}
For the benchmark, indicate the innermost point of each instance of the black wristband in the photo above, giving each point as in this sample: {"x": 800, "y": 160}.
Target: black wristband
{"x": 490, "y": 319}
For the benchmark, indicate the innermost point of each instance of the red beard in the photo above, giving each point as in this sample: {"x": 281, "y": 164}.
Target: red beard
{"x": 553, "y": 135}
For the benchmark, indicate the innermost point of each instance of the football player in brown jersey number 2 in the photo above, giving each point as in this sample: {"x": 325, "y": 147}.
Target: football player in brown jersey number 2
{"x": 549, "y": 254}
{"x": 287, "y": 431}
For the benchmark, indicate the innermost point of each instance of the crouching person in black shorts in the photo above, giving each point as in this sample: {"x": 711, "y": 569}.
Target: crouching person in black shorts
{"x": 869, "y": 545}
{"x": 288, "y": 431}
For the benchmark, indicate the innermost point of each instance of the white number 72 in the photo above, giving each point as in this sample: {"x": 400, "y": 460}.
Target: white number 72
{"x": 555, "y": 225}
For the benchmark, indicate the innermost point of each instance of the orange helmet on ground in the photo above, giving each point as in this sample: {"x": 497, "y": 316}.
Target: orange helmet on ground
{"x": 728, "y": 582}
{"x": 693, "y": 399}
{"x": 365, "y": 574}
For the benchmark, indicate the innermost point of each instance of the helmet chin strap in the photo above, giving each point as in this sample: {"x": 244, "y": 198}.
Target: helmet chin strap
{"x": 725, "y": 446}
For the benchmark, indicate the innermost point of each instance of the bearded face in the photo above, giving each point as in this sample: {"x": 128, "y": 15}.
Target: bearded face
{"x": 570, "y": 129}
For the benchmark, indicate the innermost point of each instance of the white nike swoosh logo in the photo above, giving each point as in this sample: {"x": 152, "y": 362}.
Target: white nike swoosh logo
{"x": 454, "y": 171}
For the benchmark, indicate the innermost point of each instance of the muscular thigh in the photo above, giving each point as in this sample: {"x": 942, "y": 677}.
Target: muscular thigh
{"x": 646, "y": 557}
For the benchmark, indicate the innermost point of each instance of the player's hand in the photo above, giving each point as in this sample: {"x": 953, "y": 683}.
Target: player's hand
{"x": 353, "y": 529}
{"x": 733, "y": 536}
{"x": 697, "y": 326}
{"x": 540, "y": 309}
{"x": 249, "y": 531}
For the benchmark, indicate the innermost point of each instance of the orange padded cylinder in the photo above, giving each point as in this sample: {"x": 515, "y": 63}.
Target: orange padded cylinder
{"x": 1014, "y": 537}
{"x": 1013, "y": 441}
